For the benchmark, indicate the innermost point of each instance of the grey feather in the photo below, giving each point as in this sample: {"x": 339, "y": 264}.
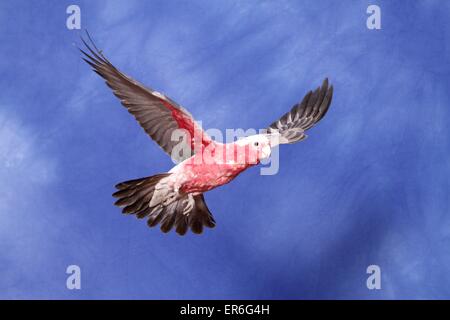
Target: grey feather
{"x": 144, "y": 103}
{"x": 292, "y": 126}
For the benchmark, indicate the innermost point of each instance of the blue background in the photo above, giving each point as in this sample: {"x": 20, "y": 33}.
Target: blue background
{"x": 369, "y": 186}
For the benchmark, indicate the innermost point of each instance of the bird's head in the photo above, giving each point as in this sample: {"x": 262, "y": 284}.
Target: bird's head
{"x": 256, "y": 147}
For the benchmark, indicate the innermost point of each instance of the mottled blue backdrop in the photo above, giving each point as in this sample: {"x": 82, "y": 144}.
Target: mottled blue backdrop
{"x": 369, "y": 186}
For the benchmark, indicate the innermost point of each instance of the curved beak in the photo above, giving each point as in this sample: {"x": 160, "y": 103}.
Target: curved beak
{"x": 274, "y": 139}
{"x": 266, "y": 151}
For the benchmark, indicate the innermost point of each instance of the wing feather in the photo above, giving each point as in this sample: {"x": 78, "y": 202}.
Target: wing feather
{"x": 304, "y": 115}
{"x": 157, "y": 114}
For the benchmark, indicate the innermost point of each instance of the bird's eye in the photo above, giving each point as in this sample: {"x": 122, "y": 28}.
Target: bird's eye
{"x": 256, "y": 144}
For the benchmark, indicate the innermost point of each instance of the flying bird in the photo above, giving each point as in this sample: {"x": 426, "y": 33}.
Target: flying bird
{"x": 175, "y": 199}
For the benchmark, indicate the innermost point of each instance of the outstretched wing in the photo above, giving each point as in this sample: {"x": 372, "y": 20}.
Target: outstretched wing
{"x": 157, "y": 114}
{"x": 292, "y": 126}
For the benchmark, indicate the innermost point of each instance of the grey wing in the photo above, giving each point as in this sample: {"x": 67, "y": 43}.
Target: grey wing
{"x": 292, "y": 126}
{"x": 157, "y": 114}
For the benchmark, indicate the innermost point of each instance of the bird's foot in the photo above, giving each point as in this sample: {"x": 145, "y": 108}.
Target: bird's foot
{"x": 172, "y": 197}
{"x": 190, "y": 204}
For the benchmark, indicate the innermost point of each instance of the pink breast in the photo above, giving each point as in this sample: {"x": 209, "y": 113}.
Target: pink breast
{"x": 202, "y": 177}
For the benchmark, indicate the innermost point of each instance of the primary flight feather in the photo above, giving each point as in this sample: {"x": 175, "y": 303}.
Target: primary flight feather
{"x": 175, "y": 199}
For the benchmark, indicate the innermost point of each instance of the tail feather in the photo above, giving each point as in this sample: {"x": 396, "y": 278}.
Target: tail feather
{"x": 134, "y": 196}
{"x": 196, "y": 218}
{"x": 155, "y": 216}
{"x": 135, "y": 182}
{"x": 200, "y": 216}
{"x": 182, "y": 224}
{"x": 168, "y": 220}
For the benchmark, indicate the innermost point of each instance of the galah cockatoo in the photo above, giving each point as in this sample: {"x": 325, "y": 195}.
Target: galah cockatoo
{"x": 175, "y": 199}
